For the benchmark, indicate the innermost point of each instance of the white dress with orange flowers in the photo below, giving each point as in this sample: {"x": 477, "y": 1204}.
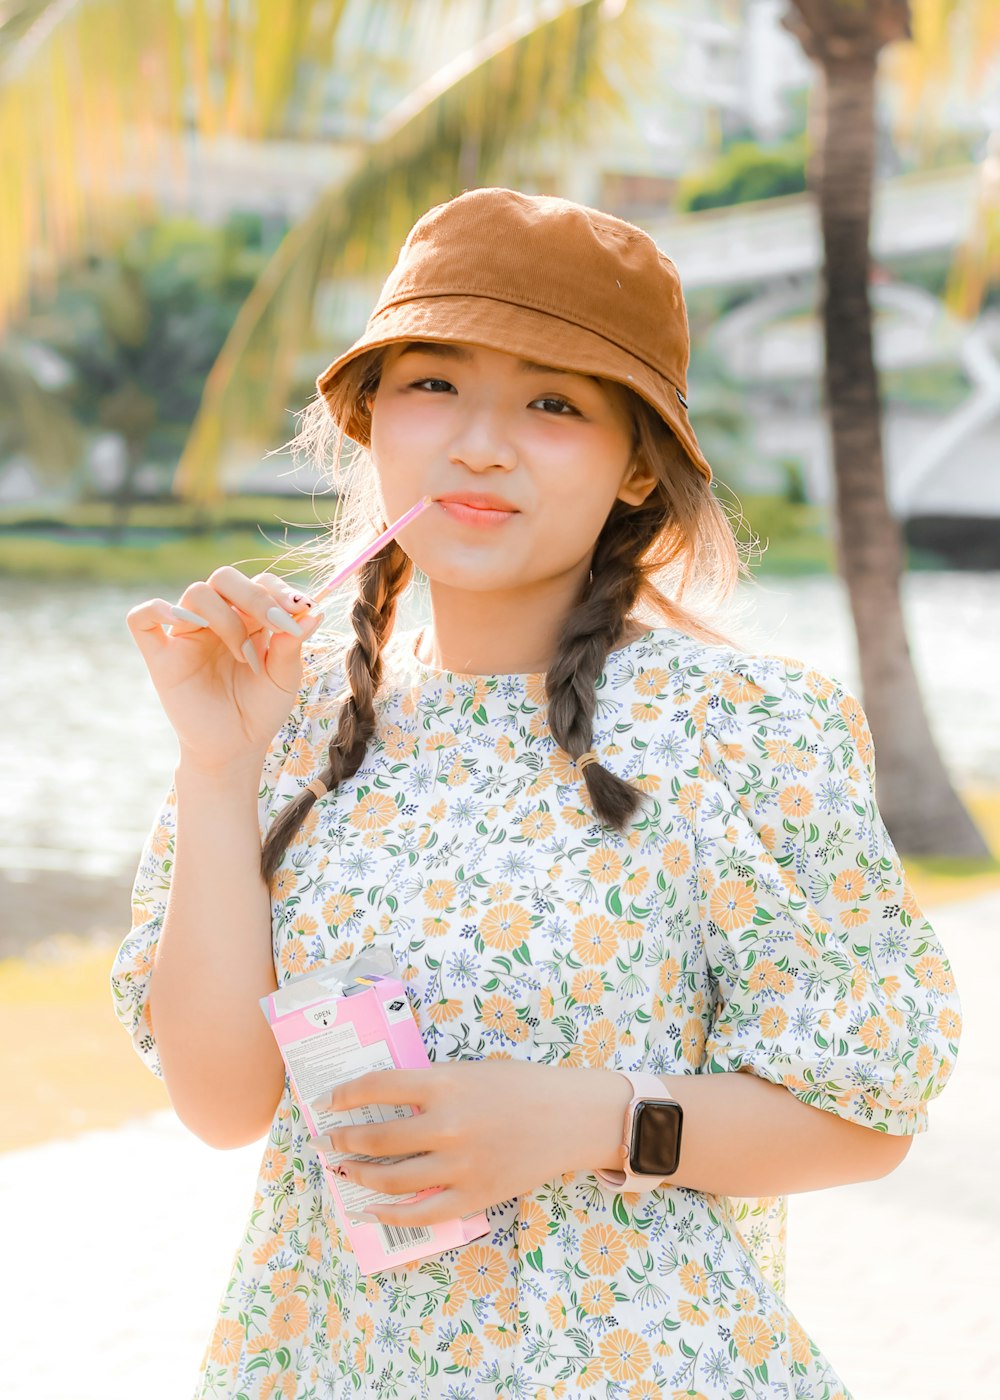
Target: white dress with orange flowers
{"x": 754, "y": 916}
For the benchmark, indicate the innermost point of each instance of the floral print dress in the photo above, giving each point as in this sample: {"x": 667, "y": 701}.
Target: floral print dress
{"x": 754, "y": 917}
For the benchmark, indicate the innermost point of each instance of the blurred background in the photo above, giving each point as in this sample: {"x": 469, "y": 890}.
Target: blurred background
{"x": 199, "y": 200}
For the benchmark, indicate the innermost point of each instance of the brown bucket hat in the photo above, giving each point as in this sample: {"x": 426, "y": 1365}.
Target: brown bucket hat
{"x": 542, "y": 277}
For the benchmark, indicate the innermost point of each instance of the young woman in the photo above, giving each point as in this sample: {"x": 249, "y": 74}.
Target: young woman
{"x": 624, "y": 866}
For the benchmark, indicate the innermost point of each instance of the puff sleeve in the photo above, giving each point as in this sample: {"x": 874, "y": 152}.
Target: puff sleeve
{"x": 828, "y": 977}
{"x": 133, "y": 962}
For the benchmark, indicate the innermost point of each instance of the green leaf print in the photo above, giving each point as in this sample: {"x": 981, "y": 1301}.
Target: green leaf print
{"x": 613, "y": 900}
{"x": 619, "y": 1211}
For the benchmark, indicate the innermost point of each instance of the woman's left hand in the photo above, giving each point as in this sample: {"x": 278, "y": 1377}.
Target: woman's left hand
{"x": 488, "y": 1130}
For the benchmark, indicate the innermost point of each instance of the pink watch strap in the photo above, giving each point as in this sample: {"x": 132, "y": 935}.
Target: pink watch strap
{"x": 645, "y": 1085}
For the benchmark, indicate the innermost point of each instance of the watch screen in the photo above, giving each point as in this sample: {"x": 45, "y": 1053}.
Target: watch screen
{"x": 656, "y": 1139}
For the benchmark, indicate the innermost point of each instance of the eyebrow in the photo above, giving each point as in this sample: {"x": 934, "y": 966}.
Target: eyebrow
{"x": 446, "y": 351}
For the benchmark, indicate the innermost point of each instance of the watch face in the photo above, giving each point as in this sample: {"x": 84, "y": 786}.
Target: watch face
{"x": 656, "y": 1138}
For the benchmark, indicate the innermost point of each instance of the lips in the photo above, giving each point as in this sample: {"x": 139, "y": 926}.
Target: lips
{"x": 477, "y": 500}
{"x": 478, "y": 510}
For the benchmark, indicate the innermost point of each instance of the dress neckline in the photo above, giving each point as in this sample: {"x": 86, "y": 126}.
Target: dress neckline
{"x": 411, "y": 643}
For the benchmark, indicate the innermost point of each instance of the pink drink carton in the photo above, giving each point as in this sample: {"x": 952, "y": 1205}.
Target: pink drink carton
{"x": 332, "y": 1025}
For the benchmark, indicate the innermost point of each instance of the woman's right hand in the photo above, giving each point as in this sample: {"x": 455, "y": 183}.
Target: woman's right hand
{"x": 225, "y": 687}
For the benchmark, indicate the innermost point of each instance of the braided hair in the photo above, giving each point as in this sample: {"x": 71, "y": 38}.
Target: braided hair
{"x": 679, "y": 536}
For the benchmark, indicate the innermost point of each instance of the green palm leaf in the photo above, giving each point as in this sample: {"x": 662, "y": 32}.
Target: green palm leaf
{"x": 473, "y": 119}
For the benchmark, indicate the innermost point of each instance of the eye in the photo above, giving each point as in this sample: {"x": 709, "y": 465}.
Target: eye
{"x": 438, "y": 384}
{"x": 563, "y": 408}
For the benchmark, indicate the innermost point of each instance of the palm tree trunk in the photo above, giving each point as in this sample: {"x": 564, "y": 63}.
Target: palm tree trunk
{"x": 918, "y": 802}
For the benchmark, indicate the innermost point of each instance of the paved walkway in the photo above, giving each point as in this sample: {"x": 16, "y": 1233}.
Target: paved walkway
{"x": 117, "y": 1245}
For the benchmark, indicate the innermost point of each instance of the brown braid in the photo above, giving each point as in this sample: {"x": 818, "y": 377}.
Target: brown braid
{"x": 590, "y": 632}
{"x": 381, "y": 581}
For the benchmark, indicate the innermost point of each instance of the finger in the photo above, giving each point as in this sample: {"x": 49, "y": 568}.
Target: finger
{"x": 396, "y": 1138}
{"x": 395, "y": 1178}
{"x": 436, "y": 1208}
{"x": 383, "y": 1086}
{"x": 146, "y": 622}
{"x": 295, "y": 602}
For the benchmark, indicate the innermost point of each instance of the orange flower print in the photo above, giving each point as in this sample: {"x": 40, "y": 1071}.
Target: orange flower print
{"x": 689, "y": 799}
{"x": 454, "y": 1300}
{"x": 603, "y": 1250}
{"x": 670, "y": 971}
{"x": 302, "y": 926}
{"x": 796, "y": 801}
{"x": 624, "y": 1354}
{"x": 933, "y": 972}
{"x": 505, "y": 926}
{"x": 466, "y": 1351}
{"x": 294, "y": 958}
{"x": 752, "y": 1338}
{"x": 558, "y": 1313}
{"x": 283, "y": 1282}
{"x": 761, "y": 975}
{"x": 445, "y": 1009}
{"x": 274, "y": 1164}
{"x": 875, "y": 1033}
{"x": 481, "y": 1269}
{"x": 949, "y": 1023}
{"x": 577, "y": 816}
{"x": 398, "y": 744}
{"x": 801, "y": 1346}
{"x": 537, "y": 826}
{"x": 636, "y": 881}
{"x": 547, "y": 1003}
{"x": 532, "y": 1225}
{"x": 599, "y": 1042}
{"x": 596, "y": 1298}
{"x": 226, "y": 1342}
{"x": 289, "y": 1318}
{"x": 588, "y": 987}
{"x": 373, "y": 813}
{"x": 738, "y": 689}
{"x": 693, "y": 1040}
{"x": 676, "y": 858}
{"x": 499, "y": 1014}
{"x": 854, "y": 716}
{"x": 594, "y": 939}
{"x": 440, "y": 893}
{"x": 645, "y": 710}
{"x": 605, "y": 865}
{"x": 692, "y": 1313}
{"x": 693, "y": 1279}
{"x": 732, "y": 905}
{"x": 652, "y": 681}
{"x": 848, "y": 886}
{"x": 269, "y": 1248}
{"x": 773, "y": 1022}
{"x": 338, "y": 908}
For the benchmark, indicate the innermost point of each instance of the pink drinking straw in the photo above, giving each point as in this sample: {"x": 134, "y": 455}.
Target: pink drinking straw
{"x": 370, "y": 550}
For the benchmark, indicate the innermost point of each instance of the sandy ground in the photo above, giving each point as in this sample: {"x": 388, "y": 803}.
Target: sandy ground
{"x": 123, "y": 1224}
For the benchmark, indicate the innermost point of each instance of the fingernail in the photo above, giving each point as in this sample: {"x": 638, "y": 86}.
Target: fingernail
{"x": 283, "y": 622}
{"x": 250, "y": 652}
{"x": 301, "y": 598}
{"x": 186, "y": 615}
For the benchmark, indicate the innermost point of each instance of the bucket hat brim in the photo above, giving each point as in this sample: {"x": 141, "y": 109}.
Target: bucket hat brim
{"x": 538, "y": 335}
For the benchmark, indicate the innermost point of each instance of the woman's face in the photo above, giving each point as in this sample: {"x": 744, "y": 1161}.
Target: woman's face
{"x": 552, "y": 449}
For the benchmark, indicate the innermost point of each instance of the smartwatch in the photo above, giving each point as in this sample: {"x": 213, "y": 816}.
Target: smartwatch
{"x": 651, "y": 1147}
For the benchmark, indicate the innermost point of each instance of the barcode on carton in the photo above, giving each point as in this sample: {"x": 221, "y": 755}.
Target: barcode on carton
{"x": 397, "y": 1237}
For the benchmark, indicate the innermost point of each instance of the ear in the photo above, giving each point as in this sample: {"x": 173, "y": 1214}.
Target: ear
{"x": 637, "y": 483}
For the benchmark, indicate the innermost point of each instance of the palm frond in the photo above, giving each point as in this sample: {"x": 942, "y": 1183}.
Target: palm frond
{"x": 95, "y": 96}
{"x": 472, "y": 119}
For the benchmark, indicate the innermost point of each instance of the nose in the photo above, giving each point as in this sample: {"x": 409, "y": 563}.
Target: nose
{"x": 482, "y": 441}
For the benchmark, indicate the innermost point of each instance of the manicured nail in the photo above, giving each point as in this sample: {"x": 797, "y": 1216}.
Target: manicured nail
{"x": 186, "y": 615}
{"x": 283, "y": 622}
{"x": 301, "y": 600}
{"x": 250, "y": 652}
